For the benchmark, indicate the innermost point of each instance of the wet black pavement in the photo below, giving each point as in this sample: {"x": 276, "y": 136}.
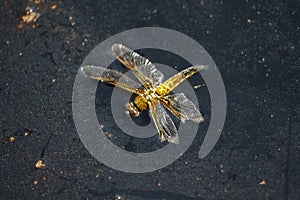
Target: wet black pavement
{"x": 256, "y": 48}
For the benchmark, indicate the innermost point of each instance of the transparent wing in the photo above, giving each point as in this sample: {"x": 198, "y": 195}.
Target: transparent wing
{"x": 112, "y": 77}
{"x": 143, "y": 69}
{"x": 164, "y": 124}
{"x": 181, "y": 106}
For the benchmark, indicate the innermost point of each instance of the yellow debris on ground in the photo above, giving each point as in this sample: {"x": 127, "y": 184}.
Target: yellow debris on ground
{"x": 30, "y": 15}
{"x": 39, "y": 164}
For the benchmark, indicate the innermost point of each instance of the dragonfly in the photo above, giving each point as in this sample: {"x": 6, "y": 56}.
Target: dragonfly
{"x": 153, "y": 93}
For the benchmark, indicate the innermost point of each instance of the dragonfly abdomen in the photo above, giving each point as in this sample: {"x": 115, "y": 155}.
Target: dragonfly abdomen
{"x": 175, "y": 80}
{"x": 170, "y": 84}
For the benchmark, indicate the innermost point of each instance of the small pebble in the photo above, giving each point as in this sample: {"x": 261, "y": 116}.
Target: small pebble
{"x": 11, "y": 139}
{"x": 263, "y": 182}
{"x": 117, "y": 197}
{"x": 53, "y": 7}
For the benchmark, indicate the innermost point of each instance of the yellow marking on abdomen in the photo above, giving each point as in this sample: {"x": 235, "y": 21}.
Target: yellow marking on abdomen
{"x": 166, "y": 87}
{"x": 141, "y": 103}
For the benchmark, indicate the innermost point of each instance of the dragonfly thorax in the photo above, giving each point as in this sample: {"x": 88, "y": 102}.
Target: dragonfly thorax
{"x": 140, "y": 103}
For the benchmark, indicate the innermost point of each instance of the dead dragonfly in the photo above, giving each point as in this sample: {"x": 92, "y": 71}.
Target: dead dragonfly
{"x": 154, "y": 92}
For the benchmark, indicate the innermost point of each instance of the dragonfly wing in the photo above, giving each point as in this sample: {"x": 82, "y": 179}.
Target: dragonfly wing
{"x": 187, "y": 109}
{"x": 143, "y": 69}
{"x": 164, "y": 124}
{"x": 112, "y": 77}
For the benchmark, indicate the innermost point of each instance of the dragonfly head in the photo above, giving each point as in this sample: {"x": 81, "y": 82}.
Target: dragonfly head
{"x": 132, "y": 110}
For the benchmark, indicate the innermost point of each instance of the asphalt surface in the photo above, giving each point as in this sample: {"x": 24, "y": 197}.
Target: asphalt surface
{"x": 256, "y": 48}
